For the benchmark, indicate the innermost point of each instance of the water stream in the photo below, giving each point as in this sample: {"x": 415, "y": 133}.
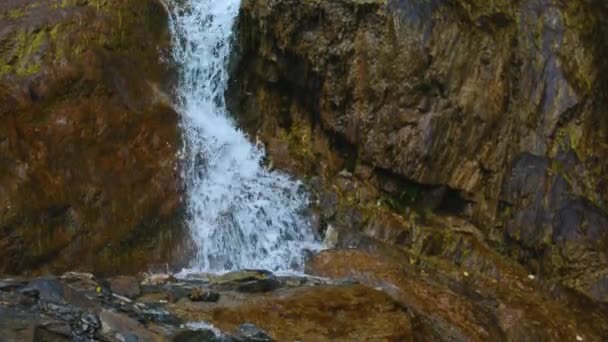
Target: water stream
{"x": 240, "y": 214}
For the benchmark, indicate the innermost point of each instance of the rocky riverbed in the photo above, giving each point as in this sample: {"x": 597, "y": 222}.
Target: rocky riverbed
{"x": 199, "y": 307}
{"x": 349, "y": 295}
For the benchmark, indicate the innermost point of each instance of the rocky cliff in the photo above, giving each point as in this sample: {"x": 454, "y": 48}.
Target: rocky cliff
{"x": 413, "y": 114}
{"x": 88, "y": 139}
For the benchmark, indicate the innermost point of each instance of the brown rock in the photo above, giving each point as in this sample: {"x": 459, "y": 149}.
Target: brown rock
{"x": 200, "y": 295}
{"x": 469, "y": 307}
{"x": 118, "y": 327}
{"x": 502, "y": 106}
{"x": 88, "y": 140}
{"x": 125, "y": 286}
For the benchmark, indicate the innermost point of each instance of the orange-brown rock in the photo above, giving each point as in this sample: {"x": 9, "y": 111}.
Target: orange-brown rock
{"x": 88, "y": 138}
{"x": 324, "y": 313}
{"x": 493, "y": 111}
{"x": 464, "y": 306}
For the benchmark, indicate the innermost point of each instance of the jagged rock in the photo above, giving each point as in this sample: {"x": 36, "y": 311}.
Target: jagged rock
{"x": 154, "y": 312}
{"x": 492, "y": 112}
{"x": 117, "y": 327}
{"x": 259, "y": 285}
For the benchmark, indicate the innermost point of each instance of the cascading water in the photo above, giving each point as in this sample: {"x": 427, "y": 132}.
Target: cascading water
{"x": 241, "y": 215}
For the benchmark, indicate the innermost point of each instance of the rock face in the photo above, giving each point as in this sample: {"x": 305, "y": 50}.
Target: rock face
{"x": 88, "y": 138}
{"x": 489, "y": 111}
{"x": 468, "y": 305}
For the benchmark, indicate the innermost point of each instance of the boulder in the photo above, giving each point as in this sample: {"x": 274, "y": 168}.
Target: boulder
{"x": 125, "y": 286}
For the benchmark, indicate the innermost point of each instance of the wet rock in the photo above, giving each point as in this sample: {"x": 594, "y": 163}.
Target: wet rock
{"x": 15, "y": 325}
{"x": 155, "y": 312}
{"x": 421, "y": 94}
{"x": 250, "y": 333}
{"x": 117, "y": 327}
{"x": 51, "y": 290}
{"x": 316, "y": 313}
{"x": 199, "y": 295}
{"x": 125, "y": 286}
{"x": 240, "y": 276}
{"x": 196, "y": 336}
{"x": 11, "y": 284}
{"x": 44, "y": 335}
{"x": 87, "y": 326}
{"x": 248, "y": 281}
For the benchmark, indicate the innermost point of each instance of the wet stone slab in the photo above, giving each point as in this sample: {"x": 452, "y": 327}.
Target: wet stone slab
{"x": 80, "y": 307}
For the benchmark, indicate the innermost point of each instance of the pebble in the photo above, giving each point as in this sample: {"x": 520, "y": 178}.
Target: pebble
{"x": 531, "y": 276}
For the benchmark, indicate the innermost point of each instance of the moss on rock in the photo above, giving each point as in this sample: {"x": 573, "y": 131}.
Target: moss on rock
{"x": 88, "y": 138}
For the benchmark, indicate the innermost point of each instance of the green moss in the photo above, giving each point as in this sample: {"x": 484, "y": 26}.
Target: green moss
{"x": 22, "y": 58}
{"x": 299, "y": 138}
{"x": 16, "y": 13}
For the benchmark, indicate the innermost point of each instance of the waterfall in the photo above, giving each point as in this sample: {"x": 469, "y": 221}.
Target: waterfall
{"x": 240, "y": 214}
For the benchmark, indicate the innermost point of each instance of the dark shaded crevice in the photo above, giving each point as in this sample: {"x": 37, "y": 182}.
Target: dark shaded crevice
{"x": 403, "y": 193}
{"x": 347, "y": 151}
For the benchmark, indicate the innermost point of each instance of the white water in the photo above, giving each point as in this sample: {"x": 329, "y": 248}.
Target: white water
{"x": 240, "y": 214}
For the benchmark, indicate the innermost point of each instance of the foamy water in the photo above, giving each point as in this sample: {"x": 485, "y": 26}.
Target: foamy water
{"x": 240, "y": 214}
